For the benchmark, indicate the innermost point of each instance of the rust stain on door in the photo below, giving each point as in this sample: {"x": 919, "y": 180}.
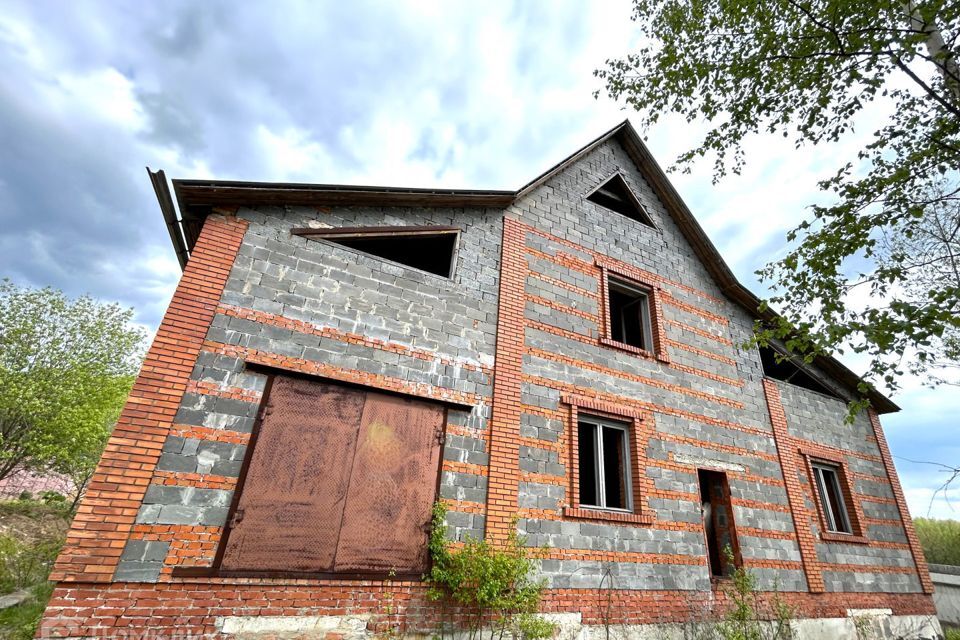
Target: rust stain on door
{"x": 296, "y": 484}
{"x": 392, "y": 486}
{"x": 340, "y": 479}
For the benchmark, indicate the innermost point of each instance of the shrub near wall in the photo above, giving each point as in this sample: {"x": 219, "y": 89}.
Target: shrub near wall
{"x": 940, "y": 540}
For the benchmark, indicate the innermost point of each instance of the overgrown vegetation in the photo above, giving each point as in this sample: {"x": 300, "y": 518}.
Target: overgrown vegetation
{"x": 495, "y": 586}
{"x": 940, "y": 540}
{"x": 31, "y": 535}
{"x": 749, "y": 616}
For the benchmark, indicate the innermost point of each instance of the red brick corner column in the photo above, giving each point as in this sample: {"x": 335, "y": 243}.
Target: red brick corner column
{"x": 504, "y": 475}
{"x": 919, "y": 560}
{"x": 106, "y": 515}
{"x": 790, "y": 465}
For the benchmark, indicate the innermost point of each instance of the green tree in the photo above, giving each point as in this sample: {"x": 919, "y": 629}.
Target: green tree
{"x": 803, "y": 69}
{"x": 66, "y": 367}
{"x": 940, "y": 540}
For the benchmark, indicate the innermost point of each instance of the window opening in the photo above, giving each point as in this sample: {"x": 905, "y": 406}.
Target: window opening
{"x": 614, "y": 194}
{"x": 629, "y": 309}
{"x": 831, "y": 498}
{"x": 428, "y": 249}
{"x": 603, "y": 449}
{"x": 787, "y": 371}
{"x": 718, "y": 525}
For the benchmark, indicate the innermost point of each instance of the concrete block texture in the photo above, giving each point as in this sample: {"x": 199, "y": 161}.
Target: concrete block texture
{"x": 328, "y": 305}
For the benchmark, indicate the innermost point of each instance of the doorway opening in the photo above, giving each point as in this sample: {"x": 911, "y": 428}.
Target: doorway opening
{"x": 723, "y": 553}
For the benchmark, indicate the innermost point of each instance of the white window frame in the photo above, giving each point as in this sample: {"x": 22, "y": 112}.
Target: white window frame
{"x": 645, "y": 302}
{"x": 820, "y": 469}
{"x": 599, "y": 475}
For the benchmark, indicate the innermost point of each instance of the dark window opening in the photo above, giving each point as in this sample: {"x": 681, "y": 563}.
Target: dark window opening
{"x": 629, "y": 309}
{"x": 787, "y": 371}
{"x": 429, "y": 250}
{"x": 718, "y": 525}
{"x": 614, "y": 194}
{"x": 603, "y": 450}
{"x": 827, "y": 479}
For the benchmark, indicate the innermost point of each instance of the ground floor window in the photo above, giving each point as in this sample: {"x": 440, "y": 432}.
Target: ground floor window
{"x": 604, "y": 455}
{"x": 827, "y": 480}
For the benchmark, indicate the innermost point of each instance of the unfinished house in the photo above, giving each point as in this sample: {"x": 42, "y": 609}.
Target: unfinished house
{"x": 566, "y": 358}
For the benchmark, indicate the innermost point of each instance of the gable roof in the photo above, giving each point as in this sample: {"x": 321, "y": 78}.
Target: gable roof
{"x": 197, "y": 198}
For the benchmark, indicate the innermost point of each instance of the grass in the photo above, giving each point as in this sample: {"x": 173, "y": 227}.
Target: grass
{"x": 31, "y": 535}
{"x": 20, "y": 622}
{"x": 951, "y": 634}
{"x": 940, "y": 540}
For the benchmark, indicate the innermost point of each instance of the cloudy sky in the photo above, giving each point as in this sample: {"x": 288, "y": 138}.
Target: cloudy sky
{"x": 445, "y": 94}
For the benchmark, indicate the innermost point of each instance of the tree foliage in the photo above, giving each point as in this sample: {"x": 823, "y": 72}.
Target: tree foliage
{"x": 804, "y": 69}
{"x": 940, "y": 540}
{"x": 66, "y": 367}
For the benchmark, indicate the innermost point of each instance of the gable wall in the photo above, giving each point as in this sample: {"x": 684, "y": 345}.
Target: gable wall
{"x": 706, "y": 408}
{"x": 705, "y": 405}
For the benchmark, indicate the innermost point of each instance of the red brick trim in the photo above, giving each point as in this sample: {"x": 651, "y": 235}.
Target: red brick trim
{"x": 640, "y": 432}
{"x": 100, "y": 529}
{"x": 504, "y": 479}
{"x": 617, "y": 373}
{"x": 921, "y": 562}
{"x": 653, "y": 291}
{"x": 579, "y": 337}
{"x": 700, "y": 332}
{"x": 310, "y": 328}
{"x": 607, "y": 516}
{"x": 646, "y": 274}
{"x": 272, "y": 361}
{"x": 789, "y": 464}
{"x": 813, "y": 453}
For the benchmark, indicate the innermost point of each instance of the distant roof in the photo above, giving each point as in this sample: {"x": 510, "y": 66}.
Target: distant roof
{"x": 198, "y": 198}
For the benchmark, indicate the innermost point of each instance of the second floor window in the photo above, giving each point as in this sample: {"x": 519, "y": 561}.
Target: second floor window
{"x": 430, "y": 249}
{"x": 835, "y": 513}
{"x": 629, "y": 311}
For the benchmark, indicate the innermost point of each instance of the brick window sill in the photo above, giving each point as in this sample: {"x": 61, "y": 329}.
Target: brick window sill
{"x": 828, "y": 536}
{"x": 629, "y": 348}
{"x": 609, "y": 516}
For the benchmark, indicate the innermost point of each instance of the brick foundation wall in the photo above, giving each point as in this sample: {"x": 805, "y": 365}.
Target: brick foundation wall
{"x": 193, "y": 610}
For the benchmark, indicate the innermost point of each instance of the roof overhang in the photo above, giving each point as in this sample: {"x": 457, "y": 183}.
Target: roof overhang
{"x": 198, "y": 198}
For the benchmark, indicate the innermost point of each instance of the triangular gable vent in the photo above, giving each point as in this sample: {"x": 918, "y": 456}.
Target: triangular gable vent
{"x": 614, "y": 194}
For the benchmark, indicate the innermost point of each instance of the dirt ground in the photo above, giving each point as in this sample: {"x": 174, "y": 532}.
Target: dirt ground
{"x": 32, "y": 523}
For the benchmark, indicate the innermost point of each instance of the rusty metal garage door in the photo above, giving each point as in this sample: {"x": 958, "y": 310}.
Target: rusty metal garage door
{"x": 339, "y": 480}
